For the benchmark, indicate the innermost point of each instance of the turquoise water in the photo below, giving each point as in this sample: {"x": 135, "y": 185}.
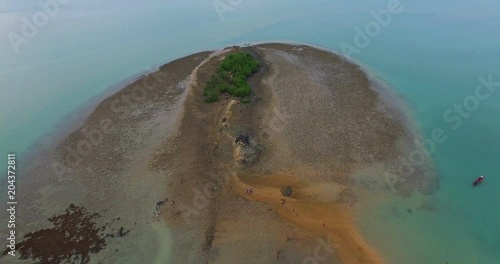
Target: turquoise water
{"x": 431, "y": 53}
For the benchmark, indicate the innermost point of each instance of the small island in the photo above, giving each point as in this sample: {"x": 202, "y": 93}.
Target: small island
{"x": 252, "y": 153}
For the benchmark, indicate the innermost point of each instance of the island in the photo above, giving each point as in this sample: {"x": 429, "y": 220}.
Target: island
{"x": 252, "y": 154}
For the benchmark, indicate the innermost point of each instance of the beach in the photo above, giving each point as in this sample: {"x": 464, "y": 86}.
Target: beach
{"x": 158, "y": 175}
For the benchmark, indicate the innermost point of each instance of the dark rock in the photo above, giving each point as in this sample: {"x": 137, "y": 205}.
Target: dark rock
{"x": 287, "y": 191}
{"x": 122, "y": 232}
{"x": 161, "y": 203}
{"x": 243, "y": 139}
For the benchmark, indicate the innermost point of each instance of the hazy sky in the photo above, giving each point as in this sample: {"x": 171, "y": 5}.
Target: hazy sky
{"x": 175, "y": 15}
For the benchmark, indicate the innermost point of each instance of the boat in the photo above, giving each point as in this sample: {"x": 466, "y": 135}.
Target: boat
{"x": 478, "y": 181}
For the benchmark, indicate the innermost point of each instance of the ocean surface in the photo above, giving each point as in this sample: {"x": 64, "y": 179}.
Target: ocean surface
{"x": 432, "y": 54}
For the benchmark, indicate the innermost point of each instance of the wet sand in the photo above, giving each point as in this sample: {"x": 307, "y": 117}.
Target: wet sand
{"x": 170, "y": 171}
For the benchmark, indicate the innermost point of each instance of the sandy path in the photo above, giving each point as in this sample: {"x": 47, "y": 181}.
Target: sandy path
{"x": 331, "y": 220}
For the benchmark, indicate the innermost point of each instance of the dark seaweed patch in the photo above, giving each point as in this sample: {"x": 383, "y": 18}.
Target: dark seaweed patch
{"x": 73, "y": 237}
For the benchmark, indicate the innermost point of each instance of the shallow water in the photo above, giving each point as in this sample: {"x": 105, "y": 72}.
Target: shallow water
{"x": 431, "y": 53}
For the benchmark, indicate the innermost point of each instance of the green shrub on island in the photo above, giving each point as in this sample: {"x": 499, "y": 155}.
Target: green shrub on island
{"x": 231, "y": 77}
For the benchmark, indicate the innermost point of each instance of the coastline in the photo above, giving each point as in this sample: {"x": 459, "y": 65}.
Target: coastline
{"x": 97, "y": 166}
{"x": 75, "y": 119}
{"x": 166, "y": 165}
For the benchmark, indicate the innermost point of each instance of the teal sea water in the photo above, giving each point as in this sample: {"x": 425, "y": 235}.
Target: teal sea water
{"x": 432, "y": 54}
